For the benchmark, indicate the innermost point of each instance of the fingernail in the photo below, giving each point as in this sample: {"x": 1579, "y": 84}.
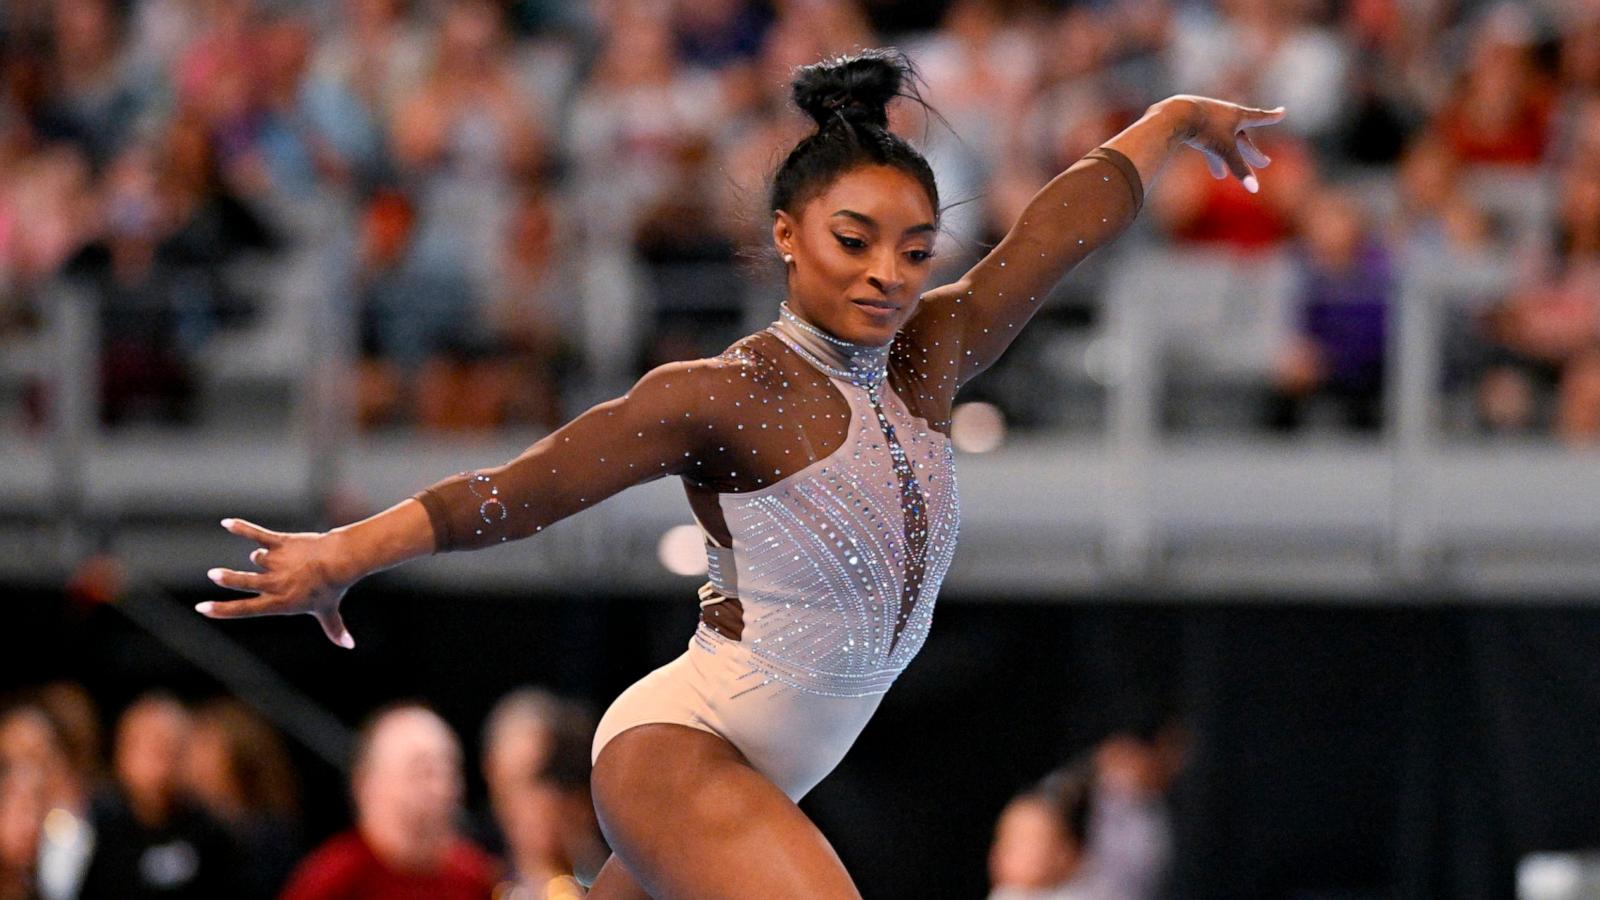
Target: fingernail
{"x": 1251, "y": 184}
{"x": 346, "y": 641}
{"x": 227, "y": 523}
{"x": 203, "y": 609}
{"x": 214, "y": 574}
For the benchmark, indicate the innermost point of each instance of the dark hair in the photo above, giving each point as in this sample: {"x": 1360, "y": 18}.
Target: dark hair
{"x": 848, "y": 98}
{"x": 1069, "y": 792}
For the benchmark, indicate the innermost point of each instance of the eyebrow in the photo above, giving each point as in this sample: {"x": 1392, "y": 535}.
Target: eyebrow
{"x": 870, "y": 222}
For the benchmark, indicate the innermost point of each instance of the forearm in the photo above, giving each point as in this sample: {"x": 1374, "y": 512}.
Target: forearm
{"x": 1148, "y": 142}
{"x": 384, "y": 540}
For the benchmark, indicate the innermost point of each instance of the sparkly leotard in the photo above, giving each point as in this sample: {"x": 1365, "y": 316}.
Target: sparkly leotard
{"x": 823, "y": 478}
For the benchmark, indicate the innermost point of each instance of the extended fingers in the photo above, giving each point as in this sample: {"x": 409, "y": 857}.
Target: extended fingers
{"x": 1251, "y": 153}
{"x": 333, "y": 626}
{"x": 239, "y": 581}
{"x": 237, "y": 609}
{"x": 1254, "y": 118}
{"x": 254, "y": 532}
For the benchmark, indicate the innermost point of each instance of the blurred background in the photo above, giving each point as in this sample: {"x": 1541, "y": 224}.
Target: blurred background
{"x": 1279, "y": 554}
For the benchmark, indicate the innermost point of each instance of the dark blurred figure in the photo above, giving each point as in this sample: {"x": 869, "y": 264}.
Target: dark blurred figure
{"x": 236, "y": 766}
{"x": 406, "y": 781}
{"x": 38, "y": 785}
{"x": 688, "y": 249}
{"x": 1041, "y": 842}
{"x": 1545, "y": 337}
{"x": 22, "y": 814}
{"x": 150, "y": 840}
{"x": 170, "y": 227}
{"x": 50, "y": 744}
{"x": 1130, "y": 828}
{"x": 90, "y": 95}
{"x": 1346, "y": 285}
{"x": 536, "y": 765}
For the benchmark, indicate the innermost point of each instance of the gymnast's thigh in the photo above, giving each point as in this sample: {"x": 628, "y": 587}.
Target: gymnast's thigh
{"x": 687, "y": 815}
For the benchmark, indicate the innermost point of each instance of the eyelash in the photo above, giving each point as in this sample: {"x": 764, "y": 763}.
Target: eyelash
{"x": 853, "y": 244}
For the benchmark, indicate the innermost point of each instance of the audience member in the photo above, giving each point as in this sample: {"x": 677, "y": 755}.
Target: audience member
{"x": 406, "y": 782}
{"x": 150, "y": 839}
{"x": 38, "y": 784}
{"x": 1341, "y": 341}
{"x": 237, "y": 768}
{"x": 1041, "y": 845}
{"x": 536, "y": 766}
{"x": 1130, "y": 828}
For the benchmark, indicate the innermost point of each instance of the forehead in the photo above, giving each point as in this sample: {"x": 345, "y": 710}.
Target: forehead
{"x": 893, "y": 197}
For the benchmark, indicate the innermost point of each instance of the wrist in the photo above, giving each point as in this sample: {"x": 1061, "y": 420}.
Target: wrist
{"x": 347, "y": 560}
{"x": 1180, "y": 117}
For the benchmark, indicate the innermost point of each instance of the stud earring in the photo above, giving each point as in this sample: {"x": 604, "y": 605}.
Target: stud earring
{"x": 788, "y": 259}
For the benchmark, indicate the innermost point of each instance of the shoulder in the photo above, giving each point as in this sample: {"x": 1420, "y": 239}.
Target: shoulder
{"x": 753, "y": 360}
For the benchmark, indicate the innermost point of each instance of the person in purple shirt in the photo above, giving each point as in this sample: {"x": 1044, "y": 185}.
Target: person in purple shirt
{"x": 1346, "y": 280}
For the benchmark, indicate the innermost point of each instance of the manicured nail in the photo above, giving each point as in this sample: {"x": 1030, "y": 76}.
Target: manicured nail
{"x": 346, "y": 641}
{"x": 227, "y": 523}
{"x": 1251, "y": 184}
{"x": 214, "y": 575}
{"x": 203, "y": 609}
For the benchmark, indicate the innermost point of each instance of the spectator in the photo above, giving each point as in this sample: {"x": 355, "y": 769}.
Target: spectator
{"x": 23, "y": 808}
{"x": 406, "y": 783}
{"x": 38, "y": 783}
{"x": 237, "y": 768}
{"x": 536, "y": 765}
{"x": 1546, "y": 335}
{"x": 150, "y": 839}
{"x": 1500, "y": 109}
{"x": 1198, "y": 210}
{"x": 1130, "y": 829}
{"x": 1041, "y": 843}
{"x": 1341, "y": 344}
{"x": 1435, "y": 216}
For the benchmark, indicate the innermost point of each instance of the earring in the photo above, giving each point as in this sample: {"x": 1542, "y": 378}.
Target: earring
{"x": 788, "y": 259}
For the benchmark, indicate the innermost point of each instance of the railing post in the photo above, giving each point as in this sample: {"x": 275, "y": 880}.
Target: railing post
{"x": 1133, "y": 368}
{"x": 73, "y": 409}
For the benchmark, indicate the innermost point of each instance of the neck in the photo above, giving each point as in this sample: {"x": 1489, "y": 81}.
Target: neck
{"x": 863, "y": 365}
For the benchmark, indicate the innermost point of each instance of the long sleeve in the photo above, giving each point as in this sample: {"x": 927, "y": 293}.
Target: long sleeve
{"x": 963, "y": 327}
{"x": 653, "y": 430}
{"x": 734, "y": 423}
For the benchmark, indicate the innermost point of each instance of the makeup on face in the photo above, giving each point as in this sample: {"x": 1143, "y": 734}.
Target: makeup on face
{"x": 863, "y": 251}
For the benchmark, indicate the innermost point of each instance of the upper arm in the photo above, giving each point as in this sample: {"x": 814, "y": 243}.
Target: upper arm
{"x": 974, "y": 319}
{"x": 651, "y": 431}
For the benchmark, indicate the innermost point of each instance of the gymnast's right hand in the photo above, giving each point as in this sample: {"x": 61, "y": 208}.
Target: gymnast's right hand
{"x": 300, "y": 573}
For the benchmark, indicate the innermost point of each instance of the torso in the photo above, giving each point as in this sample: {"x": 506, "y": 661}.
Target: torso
{"x": 836, "y": 559}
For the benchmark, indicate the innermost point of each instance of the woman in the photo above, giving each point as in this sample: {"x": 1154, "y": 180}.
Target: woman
{"x": 816, "y": 458}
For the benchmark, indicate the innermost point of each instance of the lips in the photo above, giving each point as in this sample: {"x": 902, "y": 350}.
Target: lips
{"x": 875, "y": 305}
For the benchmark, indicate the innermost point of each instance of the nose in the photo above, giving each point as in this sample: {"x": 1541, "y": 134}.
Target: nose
{"x": 884, "y": 273}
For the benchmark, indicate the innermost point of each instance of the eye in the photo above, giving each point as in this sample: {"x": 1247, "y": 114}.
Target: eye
{"x": 919, "y": 256}
{"x": 851, "y": 243}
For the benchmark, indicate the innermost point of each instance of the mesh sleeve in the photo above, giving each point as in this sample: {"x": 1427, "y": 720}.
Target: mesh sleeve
{"x": 963, "y": 327}
{"x": 651, "y": 431}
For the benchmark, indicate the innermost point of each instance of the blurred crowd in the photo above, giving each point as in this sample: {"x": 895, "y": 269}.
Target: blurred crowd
{"x": 202, "y": 801}
{"x": 526, "y": 191}
{"x": 1099, "y": 827}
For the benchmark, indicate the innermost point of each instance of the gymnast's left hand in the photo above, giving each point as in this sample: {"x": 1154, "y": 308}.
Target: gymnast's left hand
{"x": 302, "y": 572}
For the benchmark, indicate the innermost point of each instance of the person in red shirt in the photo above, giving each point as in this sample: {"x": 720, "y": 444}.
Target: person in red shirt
{"x": 407, "y": 786}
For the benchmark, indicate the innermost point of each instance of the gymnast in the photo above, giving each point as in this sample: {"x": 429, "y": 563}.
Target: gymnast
{"x": 816, "y": 458}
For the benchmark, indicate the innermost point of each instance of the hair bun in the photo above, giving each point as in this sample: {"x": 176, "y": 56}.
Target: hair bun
{"x": 857, "y": 86}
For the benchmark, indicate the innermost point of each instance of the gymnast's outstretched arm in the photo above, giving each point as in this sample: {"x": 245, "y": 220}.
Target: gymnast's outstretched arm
{"x": 658, "y": 428}
{"x": 975, "y": 318}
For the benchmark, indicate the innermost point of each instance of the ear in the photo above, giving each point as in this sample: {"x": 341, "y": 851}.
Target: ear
{"x": 785, "y": 230}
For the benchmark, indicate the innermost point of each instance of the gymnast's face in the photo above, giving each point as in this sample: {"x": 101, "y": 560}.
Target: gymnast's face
{"x": 862, "y": 250}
